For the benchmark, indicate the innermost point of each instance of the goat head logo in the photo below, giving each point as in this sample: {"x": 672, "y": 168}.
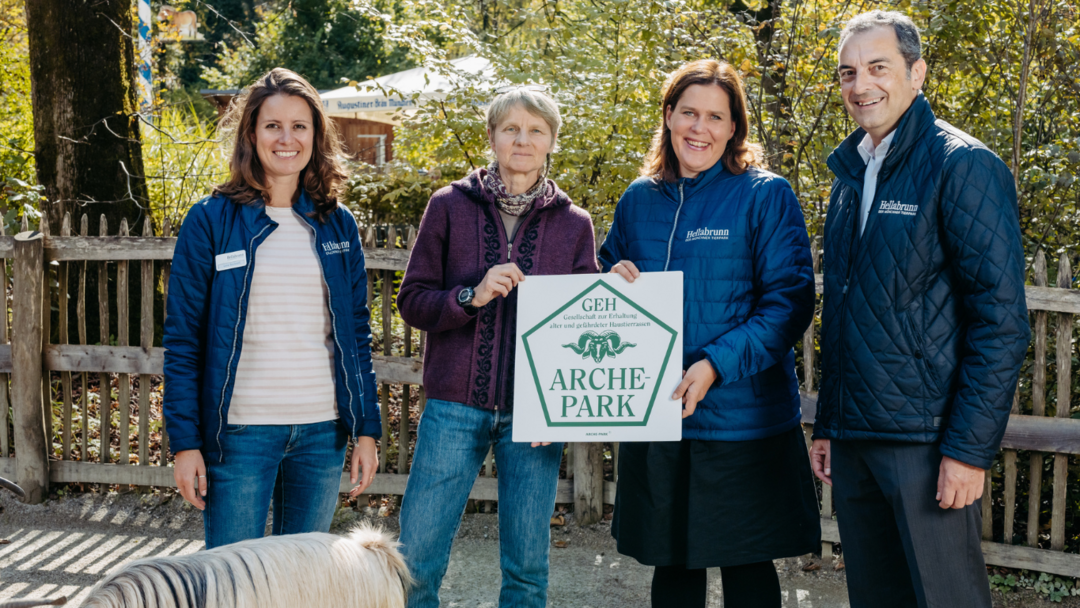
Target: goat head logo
{"x": 607, "y": 344}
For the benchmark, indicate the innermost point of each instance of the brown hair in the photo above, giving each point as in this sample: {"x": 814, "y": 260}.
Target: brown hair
{"x": 661, "y": 162}
{"x": 324, "y": 173}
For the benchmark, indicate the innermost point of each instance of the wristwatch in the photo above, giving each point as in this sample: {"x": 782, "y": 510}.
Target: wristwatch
{"x": 465, "y": 298}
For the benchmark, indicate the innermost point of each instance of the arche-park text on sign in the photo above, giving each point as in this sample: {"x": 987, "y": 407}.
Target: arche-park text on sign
{"x": 598, "y": 358}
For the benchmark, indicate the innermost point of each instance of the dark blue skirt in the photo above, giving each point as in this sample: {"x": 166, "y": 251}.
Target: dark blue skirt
{"x": 709, "y": 504}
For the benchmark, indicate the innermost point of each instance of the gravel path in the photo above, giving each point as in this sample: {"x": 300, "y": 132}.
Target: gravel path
{"x": 65, "y": 546}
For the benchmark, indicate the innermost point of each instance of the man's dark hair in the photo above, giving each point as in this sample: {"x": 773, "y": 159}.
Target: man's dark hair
{"x": 907, "y": 34}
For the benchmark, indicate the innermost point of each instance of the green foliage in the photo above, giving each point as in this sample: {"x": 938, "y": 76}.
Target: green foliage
{"x": 1055, "y": 588}
{"x": 17, "y": 175}
{"x": 19, "y": 192}
{"x": 601, "y": 60}
{"x": 1004, "y": 584}
{"x": 184, "y": 159}
{"x": 20, "y": 198}
{"x": 180, "y": 64}
{"x": 395, "y": 194}
{"x": 605, "y": 60}
{"x": 322, "y": 40}
{"x": 1051, "y": 587}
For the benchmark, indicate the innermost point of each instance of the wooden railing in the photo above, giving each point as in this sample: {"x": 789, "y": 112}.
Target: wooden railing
{"x": 49, "y": 270}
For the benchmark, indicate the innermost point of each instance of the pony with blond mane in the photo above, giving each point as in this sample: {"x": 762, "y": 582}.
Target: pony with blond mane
{"x": 360, "y": 570}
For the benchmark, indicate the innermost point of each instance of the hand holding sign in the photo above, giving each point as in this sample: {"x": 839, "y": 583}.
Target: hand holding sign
{"x": 627, "y": 270}
{"x": 497, "y": 282}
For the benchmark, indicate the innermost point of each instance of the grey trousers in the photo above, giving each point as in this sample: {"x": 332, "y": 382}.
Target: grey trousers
{"x": 900, "y": 548}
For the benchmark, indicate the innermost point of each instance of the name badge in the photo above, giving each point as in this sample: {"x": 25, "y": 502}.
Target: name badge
{"x": 233, "y": 259}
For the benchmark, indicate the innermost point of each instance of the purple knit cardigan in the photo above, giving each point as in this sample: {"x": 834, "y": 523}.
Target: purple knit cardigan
{"x": 470, "y": 358}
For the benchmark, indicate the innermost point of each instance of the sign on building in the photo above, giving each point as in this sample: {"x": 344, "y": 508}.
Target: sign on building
{"x": 598, "y": 358}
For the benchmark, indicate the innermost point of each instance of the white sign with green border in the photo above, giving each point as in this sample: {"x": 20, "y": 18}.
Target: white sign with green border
{"x": 598, "y": 358}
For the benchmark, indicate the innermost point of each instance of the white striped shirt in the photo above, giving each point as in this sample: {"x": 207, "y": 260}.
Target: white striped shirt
{"x": 286, "y": 369}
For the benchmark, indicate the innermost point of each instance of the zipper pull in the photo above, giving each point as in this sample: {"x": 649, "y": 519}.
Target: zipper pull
{"x": 509, "y": 250}
{"x": 845, "y": 287}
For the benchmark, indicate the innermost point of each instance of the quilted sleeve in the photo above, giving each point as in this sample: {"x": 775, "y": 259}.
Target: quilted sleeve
{"x": 981, "y": 233}
{"x": 783, "y": 284}
{"x": 425, "y": 301}
{"x": 613, "y": 250}
{"x": 184, "y": 338}
{"x": 370, "y": 424}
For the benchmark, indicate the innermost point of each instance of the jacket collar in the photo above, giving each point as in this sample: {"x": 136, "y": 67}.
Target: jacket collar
{"x": 472, "y": 185}
{"x": 692, "y": 185}
{"x": 254, "y": 214}
{"x": 846, "y": 162}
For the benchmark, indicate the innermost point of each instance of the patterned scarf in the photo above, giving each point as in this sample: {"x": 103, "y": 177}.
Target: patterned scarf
{"x": 513, "y": 204}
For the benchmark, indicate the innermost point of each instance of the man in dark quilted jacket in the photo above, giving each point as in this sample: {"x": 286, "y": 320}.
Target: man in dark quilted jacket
{"x": 924, "y": 329}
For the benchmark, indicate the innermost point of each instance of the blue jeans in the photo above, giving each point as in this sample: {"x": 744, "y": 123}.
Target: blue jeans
{"x": 451, "y": 444}
{"x": 297, "y": 467}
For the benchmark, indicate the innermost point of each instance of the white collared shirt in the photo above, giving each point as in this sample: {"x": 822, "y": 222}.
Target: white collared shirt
{"x": 874, "y": 158}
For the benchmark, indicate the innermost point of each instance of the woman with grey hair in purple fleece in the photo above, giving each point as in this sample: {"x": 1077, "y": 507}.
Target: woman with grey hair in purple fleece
{"x": 479, "y": 238}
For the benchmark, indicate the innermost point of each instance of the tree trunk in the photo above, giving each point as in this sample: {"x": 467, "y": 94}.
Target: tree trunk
{"x": 82, "y": 73}
{"x": 773, "y": 80}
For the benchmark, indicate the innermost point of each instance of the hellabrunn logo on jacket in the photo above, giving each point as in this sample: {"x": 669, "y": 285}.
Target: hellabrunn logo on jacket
{"x": 897, "y": 208}
{"x": 330, "y": 247}
{"x": 706, "y": 234}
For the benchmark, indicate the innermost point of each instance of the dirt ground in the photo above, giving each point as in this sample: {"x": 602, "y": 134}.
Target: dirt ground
{"x": 65, "y": 546}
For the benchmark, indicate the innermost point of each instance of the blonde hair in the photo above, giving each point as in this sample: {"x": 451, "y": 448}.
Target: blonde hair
{"x": 533, "y": 100}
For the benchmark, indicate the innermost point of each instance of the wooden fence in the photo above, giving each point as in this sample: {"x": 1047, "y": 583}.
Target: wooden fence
{"x": 49, "y": 271}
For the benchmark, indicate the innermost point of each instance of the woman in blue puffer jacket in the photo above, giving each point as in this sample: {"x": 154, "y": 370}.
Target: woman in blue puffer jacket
{"x": 737, "y": 491}
{"x": 268, "y": 371}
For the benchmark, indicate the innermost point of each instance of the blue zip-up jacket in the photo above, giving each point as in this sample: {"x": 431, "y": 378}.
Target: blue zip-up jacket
{"x": 748, "y": 288}
{"x": 204, "y": 325}
{"x": 924, "y": 324}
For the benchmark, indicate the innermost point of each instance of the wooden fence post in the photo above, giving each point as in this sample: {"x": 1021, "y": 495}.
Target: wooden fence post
{"x": 588, "y": 483}
{"x": 406, "y": 390}
{"x": 62, "y": 319}
{"x": 1064, "y": 382}
{"x": 4, "y": 394}
{"x": 80, "y": 312}
{"x": 1009, "y": 482}
{"x": 46, "y": 337}
{"x": 387, "y": 294}
{"x": 1038, "y": 407}
{"x": 123, "y": 381}
{"x": 104, "y": 378}
{"x": 146, "y": 341}
{"x": 31, "y": 447}
{"x": 808, "y": 386}
{"x": 166, "y": 268}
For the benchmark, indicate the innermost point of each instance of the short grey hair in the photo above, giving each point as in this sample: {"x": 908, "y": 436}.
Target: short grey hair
{"x": 535, "y": 101}
{"x": 907, "y": 35}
